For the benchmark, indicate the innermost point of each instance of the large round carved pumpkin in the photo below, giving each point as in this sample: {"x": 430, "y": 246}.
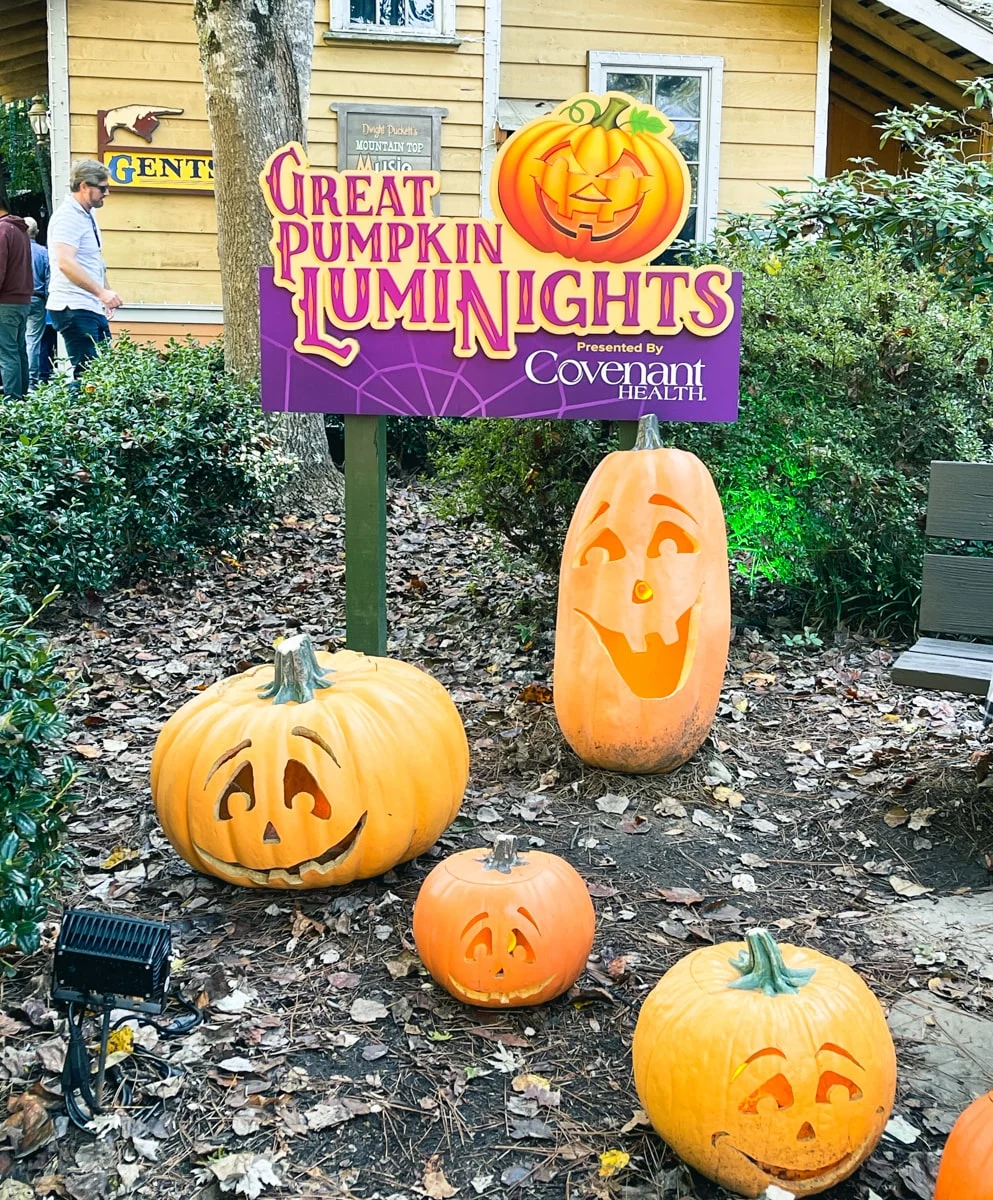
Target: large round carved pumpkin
{"x": 762, "y": 1064}
{"x": 500, "y": 929}
{"x": 644, "y": 612}
{"x": 966, "y": 1171}
{"x": 597, "y": 180}
{"x": 323, "y": 769}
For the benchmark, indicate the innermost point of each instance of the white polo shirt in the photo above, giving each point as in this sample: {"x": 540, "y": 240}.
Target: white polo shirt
{"x": 73, "y": 225}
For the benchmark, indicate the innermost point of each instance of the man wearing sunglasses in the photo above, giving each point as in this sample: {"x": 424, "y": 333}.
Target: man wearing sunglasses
{"x": 78, "y": 296}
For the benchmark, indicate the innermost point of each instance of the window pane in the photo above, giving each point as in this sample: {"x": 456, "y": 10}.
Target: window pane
{"x": 678, "y": 95}
{"x": 422, "y": 12}
{"x": 362, "y": 11}
{"x": 694, "y": 181}
{"x": 638, "y": 86}
{"x": 687, "y": 139}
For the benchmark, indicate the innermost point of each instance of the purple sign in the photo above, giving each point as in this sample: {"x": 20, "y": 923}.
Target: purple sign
{"x": 679, "y": 377}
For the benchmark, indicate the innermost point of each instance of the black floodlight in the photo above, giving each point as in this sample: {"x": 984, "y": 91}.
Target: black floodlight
{"x": 105, "y": 961}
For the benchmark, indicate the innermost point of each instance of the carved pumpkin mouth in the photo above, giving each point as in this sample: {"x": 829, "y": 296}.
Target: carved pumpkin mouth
{"x": 323, "y": 864}
{"x": 786, "y": 1174}
{"x": 475, "y": 997}
{"x": 659, "y": 670}
{"x": 549, "y": 209}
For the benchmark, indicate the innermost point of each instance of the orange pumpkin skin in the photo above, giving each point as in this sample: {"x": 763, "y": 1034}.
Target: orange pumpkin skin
{"x": 644, "y": 611}
{"x": 764, "y": 1065}
{"x": 310, "y": 792}
{"x": 966, "y": 1171}
{"x": 574, "y": 183}
{"x": 499, "y": 930}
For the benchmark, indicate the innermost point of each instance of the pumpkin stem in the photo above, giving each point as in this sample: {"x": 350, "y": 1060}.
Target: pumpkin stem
{"x": 503, "y": 856}
{"x": 648, "y": 437}
{"x": 608, "y": 118}
{"x": 298, "y": 674}
{"x": 762, "y": 967}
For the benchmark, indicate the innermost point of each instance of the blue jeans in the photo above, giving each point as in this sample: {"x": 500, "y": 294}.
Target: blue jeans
{"x": 41, "y": 342}
{"x": 14, "y": 349}
{"x": 82, "y": 331}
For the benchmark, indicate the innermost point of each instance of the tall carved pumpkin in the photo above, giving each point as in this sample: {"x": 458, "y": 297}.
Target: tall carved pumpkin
{"x": 500, "y": 929}
{"x": 644, "y": 612}
{"x": 762, "y": 1065}
{"x": 598, "y": 180}
{"x": 966, "y": 1171}
{"x": 322, "y": 769}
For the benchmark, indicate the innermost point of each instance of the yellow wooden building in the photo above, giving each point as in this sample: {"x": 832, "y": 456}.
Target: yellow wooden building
{"x": 765, "y": 93}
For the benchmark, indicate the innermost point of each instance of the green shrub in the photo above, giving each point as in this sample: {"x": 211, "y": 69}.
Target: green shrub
{"x": 34, "y": 797}
{"x": 855, "y": 375}
{"x": 155, "y": 458}
{"x": 937, "y": 215}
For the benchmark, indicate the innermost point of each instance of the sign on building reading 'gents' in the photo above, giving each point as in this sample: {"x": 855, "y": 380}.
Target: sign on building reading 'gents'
{"x": 376, "y": 306}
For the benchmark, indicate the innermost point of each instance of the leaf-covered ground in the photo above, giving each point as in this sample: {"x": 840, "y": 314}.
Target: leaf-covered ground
{"x": 328, "y": 1064}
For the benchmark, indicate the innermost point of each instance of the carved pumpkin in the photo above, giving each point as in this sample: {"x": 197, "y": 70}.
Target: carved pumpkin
{"x": 502, "y": 930}
{"x": 644, "y": 613}
{"x": 762, "y": 1064}
{"x": 323, "y": 769}
{"x": 966, "y": 1171}
{"x": 597, "y": 180}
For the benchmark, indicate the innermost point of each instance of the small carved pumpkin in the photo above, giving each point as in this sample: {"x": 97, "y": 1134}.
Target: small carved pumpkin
{"x": 323, "y": 769}
{"x": 966, "y": 1171}
{"x": 502, "y": 930}
{"x": 597, "y": 180}
{"x": 644, "y": 612}
{"x": 762, "y": 1065}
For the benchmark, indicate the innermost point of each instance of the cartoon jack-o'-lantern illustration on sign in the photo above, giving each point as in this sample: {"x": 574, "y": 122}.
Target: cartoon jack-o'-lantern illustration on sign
{"x": 502, "y": 929}
{"x": 966, "y": 1171}
{"x": 763, "y": 1064}
{"x": 644, "y": 611}
{"x": 316, "y": 771}
{"x": 597, "y": 180}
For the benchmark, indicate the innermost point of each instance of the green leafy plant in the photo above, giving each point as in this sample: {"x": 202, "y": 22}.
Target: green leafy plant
{"x": 937, "y": 215}
{"x": 34, "y": 792}
{"x": 155, "y": 460}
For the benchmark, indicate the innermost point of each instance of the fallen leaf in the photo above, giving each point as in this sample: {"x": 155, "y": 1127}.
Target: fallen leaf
{"x": 612, "y": 1161}
{"x": 403, "y": 965}
{"x": 28, "y": 1127}
{"x": 896, "y": 816}
{"x": 902, "y": 1130}
{"x": 535, "y": 693}
{"x": 244, "y": 1173}
{"x": 680, "y": 895}
{"x": 364, "y": 1011}
{"x": 434, "y": 1182}
{"x": 613, "y": 804}
{"x": 744, "y": 883}
{"x": 907, "y": 888}
{"x": 118, "y": 855}
{"x": 920, "y": 818}
{"x": 520, "y": 1083}
{"x": 726, "y": 795}
{"x": 638, "y": 1118}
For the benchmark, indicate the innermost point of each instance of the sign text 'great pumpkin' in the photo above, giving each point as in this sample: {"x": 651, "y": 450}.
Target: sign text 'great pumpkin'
{"x": 556, "y": 307}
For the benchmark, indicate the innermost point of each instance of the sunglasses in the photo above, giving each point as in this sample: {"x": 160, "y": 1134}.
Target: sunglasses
{"x": 102, "y": 187}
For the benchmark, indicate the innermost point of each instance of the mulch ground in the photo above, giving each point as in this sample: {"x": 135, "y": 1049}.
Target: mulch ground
{"x": 823, "y": 797}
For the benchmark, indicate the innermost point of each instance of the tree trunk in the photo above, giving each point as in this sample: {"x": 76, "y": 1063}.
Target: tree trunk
{"x": 256, "y": 58}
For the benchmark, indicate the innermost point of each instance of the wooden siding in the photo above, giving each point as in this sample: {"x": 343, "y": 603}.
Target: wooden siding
{"x": 162, "y": 249}
{"x": 770, "y": 72}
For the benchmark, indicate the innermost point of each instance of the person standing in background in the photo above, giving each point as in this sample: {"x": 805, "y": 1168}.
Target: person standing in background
{"x": 78, "y": 296}
{"x": 16, "y": 286}
{"x": 41, "y": 331}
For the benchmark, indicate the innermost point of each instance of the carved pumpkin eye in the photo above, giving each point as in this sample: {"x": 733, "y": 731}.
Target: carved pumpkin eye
{"x": 669, "y": 531}
{"x": 242, "y": 788}
{"x": 831, "y": 1079}
{"x": 605, "y": 547}
{"x": 778, "y": 1087}
{"x": 298, "y": 781}
{"x": 481, "y": 945}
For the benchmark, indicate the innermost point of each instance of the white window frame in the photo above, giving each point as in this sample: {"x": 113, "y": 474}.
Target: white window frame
{"x": 442, "y": 32}
{"x": 710, "y": 68}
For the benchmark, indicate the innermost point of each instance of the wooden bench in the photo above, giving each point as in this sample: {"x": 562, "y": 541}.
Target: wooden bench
{"x": 957, "y": 589}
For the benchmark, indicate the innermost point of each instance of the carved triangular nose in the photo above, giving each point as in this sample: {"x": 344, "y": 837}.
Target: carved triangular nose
{"x": 270, "y": 834}
{"x": 642, "y": 592}
{"x": 806, "y": 1133}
